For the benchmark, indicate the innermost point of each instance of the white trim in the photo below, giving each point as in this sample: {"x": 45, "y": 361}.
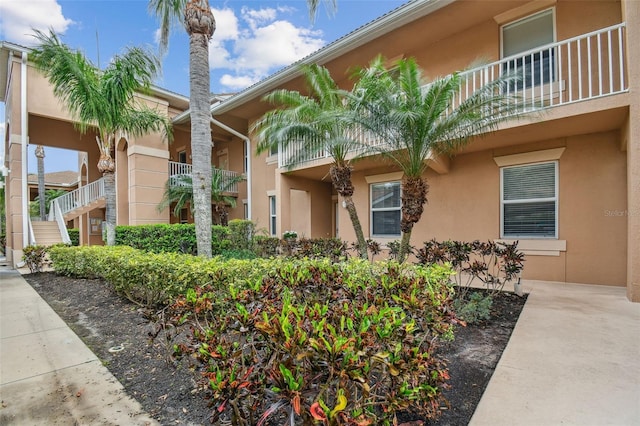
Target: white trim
{"x": 386, "y": 177}
{"x": 24, "y": 140}
{"x": 529, "y": 157}
{"x": 539, "y": 247}
{"x": 145, "y": 150}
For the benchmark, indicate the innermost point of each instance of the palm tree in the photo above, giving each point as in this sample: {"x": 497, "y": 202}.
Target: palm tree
{"x": 102, "y": 100}
{"x": 48, "y": 196}
{"x": 200, "y": 25}
{"x": 417, "y": 121}
{"x": 179, "y": 191}
{"x": 315, "y": 119}
{"x": 199, "y": 22}
{"x": 40, "y": 156}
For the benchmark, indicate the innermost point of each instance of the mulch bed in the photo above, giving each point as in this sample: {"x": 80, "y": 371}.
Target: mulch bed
{"x": 168, "y": 390}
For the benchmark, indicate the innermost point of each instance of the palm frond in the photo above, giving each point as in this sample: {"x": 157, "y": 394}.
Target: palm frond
{"x": 169, "y": 12}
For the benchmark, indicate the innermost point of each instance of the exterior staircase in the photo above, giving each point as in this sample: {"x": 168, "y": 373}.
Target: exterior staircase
{"x": 46, "y": 233}
{"x": 65, "y": 208}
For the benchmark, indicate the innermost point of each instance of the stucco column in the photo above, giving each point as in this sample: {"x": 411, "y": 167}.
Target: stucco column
{"x": 631, "y": 15}
{"x": 148, "y": 172}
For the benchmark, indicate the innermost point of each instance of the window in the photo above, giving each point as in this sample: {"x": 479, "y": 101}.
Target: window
{"x": 184, "y": 216}
{"x": 526, "y": 34}
{"x": 385, "y": 209}
{"x": 273, "y": 150}
{"x": 529, "y": 200}
{"x": 272, "y": 216}
{"x": 182, "y": 157}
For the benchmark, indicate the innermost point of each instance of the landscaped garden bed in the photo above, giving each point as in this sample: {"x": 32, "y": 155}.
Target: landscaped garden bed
{"x": 308, "y": 340}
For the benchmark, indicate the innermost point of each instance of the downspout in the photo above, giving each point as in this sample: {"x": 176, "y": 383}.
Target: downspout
{"x": 23, "y": 140}
{"x": 247, "y": 143}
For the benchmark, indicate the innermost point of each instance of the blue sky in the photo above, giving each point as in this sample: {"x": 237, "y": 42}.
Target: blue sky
{"x": 253, "y": 39}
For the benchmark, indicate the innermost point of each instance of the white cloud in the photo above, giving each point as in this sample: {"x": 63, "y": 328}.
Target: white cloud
{"x": 257, "y": 44}
{"x": 238, "y": 82}
{"x": 18, "y": 19}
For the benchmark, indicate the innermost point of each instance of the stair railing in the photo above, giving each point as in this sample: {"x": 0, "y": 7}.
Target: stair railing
{"x": 77, "y": 198}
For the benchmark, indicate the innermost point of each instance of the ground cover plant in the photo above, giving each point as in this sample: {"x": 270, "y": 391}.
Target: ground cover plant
{"x": 295, "y": 341}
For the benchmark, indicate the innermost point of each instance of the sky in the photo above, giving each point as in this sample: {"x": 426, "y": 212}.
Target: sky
{"x": 253, "y": 38}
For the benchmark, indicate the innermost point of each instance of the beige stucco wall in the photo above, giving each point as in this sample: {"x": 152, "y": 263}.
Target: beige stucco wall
{"x": 464, "y": 204}
{"x": 631, "y": 10}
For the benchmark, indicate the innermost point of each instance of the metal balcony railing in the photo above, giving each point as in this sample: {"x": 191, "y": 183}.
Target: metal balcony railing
{"x": 581, "y": 68}
{"x": 176, "y": 169}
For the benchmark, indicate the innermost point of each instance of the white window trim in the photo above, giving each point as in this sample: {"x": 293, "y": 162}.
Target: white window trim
{"x": 525, "y": 18}
{"x": 273, "y": 216}
{"x": 383, "y": 209}
{"x": 530, "y": 200}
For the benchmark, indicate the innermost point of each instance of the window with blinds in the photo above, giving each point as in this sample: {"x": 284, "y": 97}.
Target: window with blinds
{"x": 385, "y": 209}
{"x": 526, "y": 34}
{"x": 529, "y": 200}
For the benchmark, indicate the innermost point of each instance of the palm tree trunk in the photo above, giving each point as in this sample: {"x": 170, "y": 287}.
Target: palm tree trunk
{"x": 341, "y": 179}
{"x": 41, "y": 188}
{"x": 110, "y": 214}
{"x": 200, "y": 26}
{"x": 414, "y": 197}
{"x": 357, "y": 227}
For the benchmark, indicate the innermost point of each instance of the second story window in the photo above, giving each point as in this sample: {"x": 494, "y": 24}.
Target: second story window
{"x": 182, "y": 157}
{"x": 526, "y": 34}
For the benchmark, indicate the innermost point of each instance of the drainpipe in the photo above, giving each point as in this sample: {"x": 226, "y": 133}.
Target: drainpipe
{"x": 24, "y": 129}
{"x": 247, "y": 144}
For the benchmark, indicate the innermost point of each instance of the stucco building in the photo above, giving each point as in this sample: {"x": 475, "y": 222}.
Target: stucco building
{"x": 566, "y": 183}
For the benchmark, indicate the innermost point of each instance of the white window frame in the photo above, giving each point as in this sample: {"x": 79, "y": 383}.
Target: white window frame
{"x": 372, "y": 209}
{"x": 273, "y": 231}
{"x": 522, "y": 20}
{"x": 555, "y": 199}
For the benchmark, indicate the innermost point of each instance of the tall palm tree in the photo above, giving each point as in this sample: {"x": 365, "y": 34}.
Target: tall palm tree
{"x": 316, "y": 121}
{"x": 41, "y": 194}
{"x": 46, "y": 199}
{"x": 179, "y": 190}
{"x": 199, "y": 22}
{"x": 200, "y": 25}
{"x": 416, "y": 121}
{"x": 102, "y": 100}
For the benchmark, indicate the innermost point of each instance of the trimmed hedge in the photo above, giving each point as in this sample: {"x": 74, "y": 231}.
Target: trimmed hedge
{"x": 153, "y": 278}
{"x": 164, "y": 238}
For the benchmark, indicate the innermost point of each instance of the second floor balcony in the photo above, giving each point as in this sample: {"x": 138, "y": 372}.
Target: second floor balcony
{"x": 578, "y": 69}
{"x": 227, "y": 176}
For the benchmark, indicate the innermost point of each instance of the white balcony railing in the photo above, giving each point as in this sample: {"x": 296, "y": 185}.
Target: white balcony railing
{"x": 227, "y": 175}
{"x": 581, "y": 68}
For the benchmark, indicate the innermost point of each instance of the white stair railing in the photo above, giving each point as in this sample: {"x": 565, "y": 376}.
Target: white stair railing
{"x": 77, "y": 198}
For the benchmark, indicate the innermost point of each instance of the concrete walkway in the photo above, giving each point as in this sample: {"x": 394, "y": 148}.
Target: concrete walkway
{"x": 47, "y": 374}
{"x": 573, "y": 359}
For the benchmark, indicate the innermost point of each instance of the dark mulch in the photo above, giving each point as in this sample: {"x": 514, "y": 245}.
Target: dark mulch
{"x": 169, "y": 392}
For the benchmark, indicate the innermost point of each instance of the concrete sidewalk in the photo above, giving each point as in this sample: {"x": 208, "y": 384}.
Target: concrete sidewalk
{"x": 573, "y": 359}
{"x": 47, "y": 374}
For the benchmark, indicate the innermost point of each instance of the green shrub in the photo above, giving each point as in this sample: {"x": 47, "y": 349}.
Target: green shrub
{"x": 340, "y": 343}
{"x": 266, "y": 246}
{"x": 164, "y": 238}
{"x": 241, "y": 233}
{"x": 74, "y": 235}
{"x": 152, "y": 279}
{"x": 34, "y": 257}
{"x": 475, "y": 308}
{"x": 491, "y": 263}
{"x": 237, "y": 254}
